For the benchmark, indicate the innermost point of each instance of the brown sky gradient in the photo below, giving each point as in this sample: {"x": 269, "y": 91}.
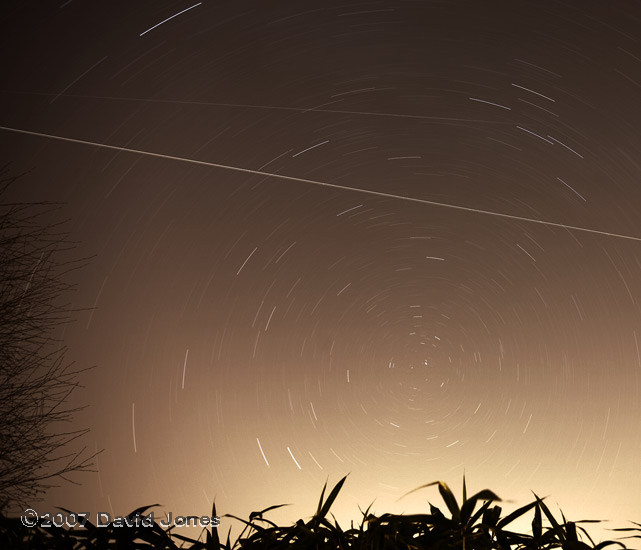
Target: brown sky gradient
{"x": 342, "y": 331}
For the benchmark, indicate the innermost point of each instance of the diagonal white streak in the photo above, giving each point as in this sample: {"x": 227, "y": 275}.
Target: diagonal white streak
{"x": 322, "y": 184}
{"x": 76, "y": 80}
{"x": 296, "y": 461}
{"x": 261, "y": 451}
{"x": 185, "y": 368}
{"x": 319, "y": 109}
{"x": 169, "y": 18}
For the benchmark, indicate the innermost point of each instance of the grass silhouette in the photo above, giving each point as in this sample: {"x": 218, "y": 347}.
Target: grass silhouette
{"x": 476, "y": 524}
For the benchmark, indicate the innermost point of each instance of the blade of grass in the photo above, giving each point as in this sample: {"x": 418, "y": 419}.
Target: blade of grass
{"x": 557, "y": 528}
{"x": 259, "y": 515}
{"x": 517, "y": 513}
{"x": 450, "y": 500}
{"x": 212, "y": 542}
{"x": 418, "y": 489}
{"x": 464, "y": 489}
{"x": 609, "y": 543}
{"x": 328, "y": 503}
{"x": 537, "y": 523}
{"x": 468, "y": 506}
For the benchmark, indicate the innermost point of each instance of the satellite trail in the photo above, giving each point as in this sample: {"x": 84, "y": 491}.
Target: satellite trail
{"x": 320, "y": 183}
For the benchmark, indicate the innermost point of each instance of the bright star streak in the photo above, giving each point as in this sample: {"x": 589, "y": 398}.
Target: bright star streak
{"x": 175, "y": 15}
{"x": 261, "y": 451}
{"x": 290, "y": 454}
{"x": 185, "y": 368}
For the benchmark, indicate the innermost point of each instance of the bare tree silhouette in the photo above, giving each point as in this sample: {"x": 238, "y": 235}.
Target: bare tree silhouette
{"x": 35, "y": 378}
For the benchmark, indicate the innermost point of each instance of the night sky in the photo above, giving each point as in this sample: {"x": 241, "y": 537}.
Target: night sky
{"x": 283, "y": 295}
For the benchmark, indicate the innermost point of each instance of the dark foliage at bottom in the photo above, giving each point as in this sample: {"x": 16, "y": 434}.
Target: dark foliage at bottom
{"x": 476, "y": 524}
